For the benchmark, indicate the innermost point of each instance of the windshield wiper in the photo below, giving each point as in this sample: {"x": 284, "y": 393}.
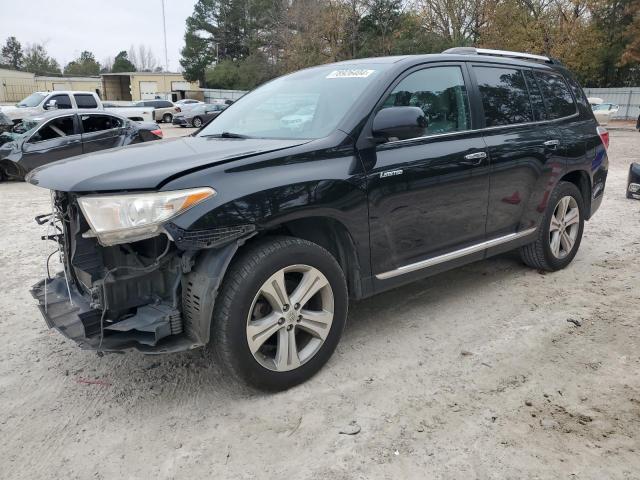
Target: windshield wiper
{"x": 227, "y": 135}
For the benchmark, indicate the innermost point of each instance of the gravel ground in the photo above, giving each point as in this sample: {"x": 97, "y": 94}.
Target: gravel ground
{"x": 475, "y": 373}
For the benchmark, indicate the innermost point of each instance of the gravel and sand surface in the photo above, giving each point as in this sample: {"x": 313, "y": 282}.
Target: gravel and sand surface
{"x": 491, "y": 371}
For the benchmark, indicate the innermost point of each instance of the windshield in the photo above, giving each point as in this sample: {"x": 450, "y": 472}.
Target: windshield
{"x": 26, "y": 126}
{"x": 306, "y": 104}
{"x": 32, "y": 100}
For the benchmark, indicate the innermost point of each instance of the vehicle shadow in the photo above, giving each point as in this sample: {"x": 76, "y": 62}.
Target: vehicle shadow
{"x": 178, "y": 378}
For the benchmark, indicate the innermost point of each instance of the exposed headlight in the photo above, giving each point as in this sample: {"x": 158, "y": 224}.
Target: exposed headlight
{"x": 125, "y": 218}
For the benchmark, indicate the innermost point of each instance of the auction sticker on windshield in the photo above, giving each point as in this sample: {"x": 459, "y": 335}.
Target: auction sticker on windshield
{"x": 353, "y": 73}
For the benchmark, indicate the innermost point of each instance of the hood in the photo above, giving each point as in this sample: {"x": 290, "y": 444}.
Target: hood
{"x": 145, "y": 166}
{"x": 15, "y": 113}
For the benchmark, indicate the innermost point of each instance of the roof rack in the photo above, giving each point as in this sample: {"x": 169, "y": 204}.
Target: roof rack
{"x": 499, "y": 53}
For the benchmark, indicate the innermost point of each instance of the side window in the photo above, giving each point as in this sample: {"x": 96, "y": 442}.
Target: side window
{"x": 86, "y": 101}
{"x": 556, "y": 95}
{"x": 537, "y": 102}
{"x": 441, "y": 94}
{"x": 165, "y": 104}
{"x": 56, "y": 128}
{"x": 62, "y": 101}
{"x": 578, "y": 93}
{"x": 504, "y": 96}
{"x": 98, "y": 123}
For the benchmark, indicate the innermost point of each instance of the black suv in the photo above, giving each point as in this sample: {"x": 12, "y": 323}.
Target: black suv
{"x": 333, "y": 183}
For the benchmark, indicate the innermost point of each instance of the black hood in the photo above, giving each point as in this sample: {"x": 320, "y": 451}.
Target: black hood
{"x": 145, "y": 166}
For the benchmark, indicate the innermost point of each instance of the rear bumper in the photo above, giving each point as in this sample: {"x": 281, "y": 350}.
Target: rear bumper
{"x": 152, "y": 330}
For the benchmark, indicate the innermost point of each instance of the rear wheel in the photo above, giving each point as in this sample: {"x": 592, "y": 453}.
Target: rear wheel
{"x": 560, "y": 233}
{"x": 197, "y": 122}
{"x": 280, "y": 313}
{"x": 167, "y": 118}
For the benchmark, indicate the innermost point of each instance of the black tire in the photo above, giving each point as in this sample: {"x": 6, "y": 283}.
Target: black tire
{"x": 196, "y": 122}
{"x": 167, "y": 118}
{"x": 245, "y": 277}
{"x": 538, "y": 254}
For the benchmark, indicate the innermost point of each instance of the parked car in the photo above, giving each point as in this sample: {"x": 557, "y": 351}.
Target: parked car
{"x": 164, "y": 110}
{"x": 40, "y": 102}
{"x": 603, "y": 111}
{"x": 198, "y": 116}
{"x": 188, "y": 103}
{"x": 254, "y": 234}
{"x": 62, "y": 134}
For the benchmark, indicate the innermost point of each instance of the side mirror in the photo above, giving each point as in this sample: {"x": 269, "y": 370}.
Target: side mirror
{"x": 399, "y": 123}
{"x": 51, "y": 105}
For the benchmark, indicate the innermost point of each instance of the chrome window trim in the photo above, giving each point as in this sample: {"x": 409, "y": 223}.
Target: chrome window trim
{"x": 478, "y": 130}
{"x": 430, "y": 262}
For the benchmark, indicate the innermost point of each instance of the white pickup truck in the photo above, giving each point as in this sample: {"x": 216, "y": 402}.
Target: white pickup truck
{"x": 39, "y": 102}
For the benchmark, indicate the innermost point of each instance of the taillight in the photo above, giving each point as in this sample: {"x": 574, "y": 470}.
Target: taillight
{"x": 178, "y": 109}
{"x": 157, "y": 133}
{"x": 604, "y": 136}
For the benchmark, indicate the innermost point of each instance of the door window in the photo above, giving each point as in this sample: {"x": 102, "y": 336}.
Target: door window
{"x": 556, "y": 94}
{"x": 98, "y": 123}
{"x": 441, "y": 94}
{"x": 504, "y": 96}
{"x": 85, "y": 101}
{"x": 56, "y": 128}
{"x": 62, "y": 101}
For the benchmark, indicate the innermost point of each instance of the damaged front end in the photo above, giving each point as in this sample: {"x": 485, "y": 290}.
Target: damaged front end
{"x": 155, "y": 295}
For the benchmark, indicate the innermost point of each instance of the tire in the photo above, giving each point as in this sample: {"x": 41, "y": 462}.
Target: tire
{"x": 167, "y": 118}
{"x": 196, "y": 122}
{"x": 235, "y": 317}
{"x": 549, "y": 251}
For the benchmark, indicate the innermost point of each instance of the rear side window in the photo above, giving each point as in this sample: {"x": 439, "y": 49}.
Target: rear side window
{"x": 537, "y": 102}
{"x": 504, "y": 96}
{"x": 165, "y": 104}
{"x": 556, "y": 95}
{"x": 86, "y": 101}
{"x": 441, "y": 94}
{"x": 98, "y": 123}
{"x": 62, "y": 101}
{"x": 578, "y": 93}
{"x": 56, "y": 128}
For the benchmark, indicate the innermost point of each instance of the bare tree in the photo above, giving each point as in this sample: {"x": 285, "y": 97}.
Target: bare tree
{"x": 143, "y": 58}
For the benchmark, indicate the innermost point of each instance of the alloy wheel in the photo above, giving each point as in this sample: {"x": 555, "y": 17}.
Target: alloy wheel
{"x": 290, "y": 317}
{"x": 197, "y": 122}
{"x": 565, "y": 224}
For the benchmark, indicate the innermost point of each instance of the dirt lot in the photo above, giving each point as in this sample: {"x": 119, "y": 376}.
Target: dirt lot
{"x": 475, "y": 373}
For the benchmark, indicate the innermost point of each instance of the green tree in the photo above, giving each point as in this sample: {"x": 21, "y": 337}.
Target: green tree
{"x": 84, "y": 65}
{"x": 197, "y": 55}
{"x": 36, "y": 60}
{"x": 122, "y": 64}
{"x": 12, "y": 55}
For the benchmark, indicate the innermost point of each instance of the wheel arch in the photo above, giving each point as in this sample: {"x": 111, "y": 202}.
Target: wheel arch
{"x": 581, "y": 179}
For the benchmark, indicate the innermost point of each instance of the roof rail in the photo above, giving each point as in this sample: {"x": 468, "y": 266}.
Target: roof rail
{"x": 499, "y": 53}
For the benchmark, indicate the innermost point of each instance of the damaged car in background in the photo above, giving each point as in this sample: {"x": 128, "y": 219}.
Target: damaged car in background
{"x": 60, "y": 134}
{"x": 329, "y": 184}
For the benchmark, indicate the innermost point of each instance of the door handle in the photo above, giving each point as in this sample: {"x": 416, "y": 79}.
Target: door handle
{"x": 552, "y": 144}
{"x": 474, "y": 158}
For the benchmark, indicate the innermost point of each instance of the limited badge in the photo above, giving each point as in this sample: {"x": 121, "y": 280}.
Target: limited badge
{"x": 351, "y": 73}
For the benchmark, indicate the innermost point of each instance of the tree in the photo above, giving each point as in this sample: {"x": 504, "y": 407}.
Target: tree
{"x": 37, "y": 61}
{"x": 143, "y": 58}
{"x": 12, "y": 55}
{"x": 84, "y": 65}
{"x": 197, "y": 55}
{"x": 122, "y": 64}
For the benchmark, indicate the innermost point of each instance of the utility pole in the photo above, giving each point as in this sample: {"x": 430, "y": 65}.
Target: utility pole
{"x": 164, "y": 29}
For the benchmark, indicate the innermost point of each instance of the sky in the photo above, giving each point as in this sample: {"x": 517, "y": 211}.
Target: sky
{"x": 103, "y": 27}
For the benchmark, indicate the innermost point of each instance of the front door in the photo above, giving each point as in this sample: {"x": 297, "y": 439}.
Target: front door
{"x": 428, "y": 195}
{"x": 54, "y": 140}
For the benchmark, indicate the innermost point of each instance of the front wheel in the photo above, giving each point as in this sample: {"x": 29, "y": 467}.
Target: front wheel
{"x": 197, "y": 122}
{"x": 560, "y": 232}
{"x": 280, "y": 313}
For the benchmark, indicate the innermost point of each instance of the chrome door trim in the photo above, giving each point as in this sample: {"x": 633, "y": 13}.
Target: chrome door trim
{"x": 430, "y": 262}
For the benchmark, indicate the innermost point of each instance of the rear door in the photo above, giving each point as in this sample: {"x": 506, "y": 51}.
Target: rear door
{"x": 56, "y": 139}
{"x": 523, "y": 147}
{"x": 428, "y": 195}
{"x": 100, "y": 131}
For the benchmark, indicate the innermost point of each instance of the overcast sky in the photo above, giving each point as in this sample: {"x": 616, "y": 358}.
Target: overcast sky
{"x": 100, "y": 26}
